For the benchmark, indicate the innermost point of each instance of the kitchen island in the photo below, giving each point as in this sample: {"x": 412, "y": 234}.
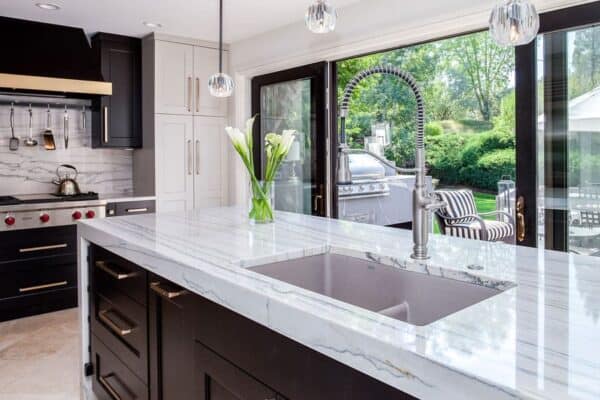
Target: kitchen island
{"x": 536, "y": 338}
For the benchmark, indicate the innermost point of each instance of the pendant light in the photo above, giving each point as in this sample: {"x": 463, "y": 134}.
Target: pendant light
{"x": 321, "y": 17}
{"x": 514, "y": 22}
{"x": 221, "y": 84}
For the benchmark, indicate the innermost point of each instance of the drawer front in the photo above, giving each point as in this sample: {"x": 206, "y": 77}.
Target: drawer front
{"x": 35, "y": 243}
{"x": 112, "y": 379}
{"x": 130, "y": 208}
{"x": 121, "y": 324}
{"x": 39, "y": 303}
{"x": 112, "y": 273}
{"x": 32, "y": 277}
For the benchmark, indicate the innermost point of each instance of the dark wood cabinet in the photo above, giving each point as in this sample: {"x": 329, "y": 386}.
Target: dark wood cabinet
{"x": 117, "y": 119}
{"x": 199, "y": 350}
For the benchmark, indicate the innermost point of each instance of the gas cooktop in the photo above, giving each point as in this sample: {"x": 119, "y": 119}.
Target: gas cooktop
{"x": 45, "y": 198}
{"x": 8, "y": 200}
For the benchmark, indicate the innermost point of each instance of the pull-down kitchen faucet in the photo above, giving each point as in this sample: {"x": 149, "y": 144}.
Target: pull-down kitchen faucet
{"x": 423, "y": 201}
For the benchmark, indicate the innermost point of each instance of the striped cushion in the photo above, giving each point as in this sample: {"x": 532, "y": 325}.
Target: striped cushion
{"x": 497, "y": 230}
{"x": 460, "y": 203}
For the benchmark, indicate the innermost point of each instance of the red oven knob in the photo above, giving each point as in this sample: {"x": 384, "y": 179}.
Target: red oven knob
{"x": 9, "y": 220}
{"x": 44, "y": 218}
{"x": 76, "y": 215}
{"x": 90, "y": 214}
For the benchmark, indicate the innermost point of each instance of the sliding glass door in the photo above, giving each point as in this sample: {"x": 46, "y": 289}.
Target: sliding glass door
{"x": 294, "y": 99}
{"x": 564, "y": 113}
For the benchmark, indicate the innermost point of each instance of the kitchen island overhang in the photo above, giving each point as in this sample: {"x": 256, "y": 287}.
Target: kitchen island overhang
{"x": 483, "y": 351}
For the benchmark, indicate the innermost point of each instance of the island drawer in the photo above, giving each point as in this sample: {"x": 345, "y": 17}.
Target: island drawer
{"x": 23, "y": 245}
{"x": 112, "y": 273}
{"x": 121, "y": 324}
{"x": 112, "y": 379}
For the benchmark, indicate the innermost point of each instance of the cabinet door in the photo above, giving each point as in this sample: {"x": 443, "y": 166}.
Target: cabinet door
{"x": 206, "y": 63}
{"x": 210, "y": 163}
{"x": 118, "y": 119}
{"x": 174, "y": 162}
{"x": 221, "y": 380}
{"x": 171, "y": 342}
{"x": 174, "y": 78}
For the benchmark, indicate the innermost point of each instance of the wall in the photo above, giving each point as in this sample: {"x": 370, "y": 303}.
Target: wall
{"x": 368, "y": 26}
{"x": 32, "y": 169}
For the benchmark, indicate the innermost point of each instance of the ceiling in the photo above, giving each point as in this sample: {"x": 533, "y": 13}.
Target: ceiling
{"x": 189, "y": 18}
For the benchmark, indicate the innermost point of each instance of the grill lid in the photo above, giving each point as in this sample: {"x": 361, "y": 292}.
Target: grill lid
{"x": 365, "y": 167}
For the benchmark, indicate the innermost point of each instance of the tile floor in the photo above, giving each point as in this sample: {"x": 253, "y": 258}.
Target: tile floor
{"x": 39, "y": 357}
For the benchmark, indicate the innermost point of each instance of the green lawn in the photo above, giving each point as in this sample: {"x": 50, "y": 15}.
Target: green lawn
{"x": 485, "y": 203}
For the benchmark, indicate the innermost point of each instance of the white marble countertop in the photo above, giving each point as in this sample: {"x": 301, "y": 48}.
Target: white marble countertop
{"x": 537, "y": 340}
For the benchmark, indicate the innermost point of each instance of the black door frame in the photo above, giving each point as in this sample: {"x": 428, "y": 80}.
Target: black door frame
{"x": 318, "y": 74}
{"x": 556, "y": 221}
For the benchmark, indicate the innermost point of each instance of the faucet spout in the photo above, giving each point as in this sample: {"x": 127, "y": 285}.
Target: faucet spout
{"x": 423, "y": 201}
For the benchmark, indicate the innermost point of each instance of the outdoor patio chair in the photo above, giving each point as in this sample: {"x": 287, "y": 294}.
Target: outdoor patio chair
{"x": 460, "y": 219}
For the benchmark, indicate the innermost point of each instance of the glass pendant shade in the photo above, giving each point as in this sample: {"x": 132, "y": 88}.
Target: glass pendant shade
{"x": 321, "y": 17}
{"x": 514, "y": 22}
{"x": 221, "y": 85}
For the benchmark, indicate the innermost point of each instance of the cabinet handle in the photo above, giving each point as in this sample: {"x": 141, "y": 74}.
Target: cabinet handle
{"x": 40, "y": 287}
{"x": 189, "y": 94}
{"x": 197, "y": 95}
{"x": 137, "y": 210}
{"x": 105, "y": 124}
{"x": 103, "y": 381}
{"x": 197, "y": 157}
{"x": 190, "y": 157}
{"x": 103, "y": 265}
{"x": 167, "y": 294}
{"x": 112, "y": 324}
{"x": 42, "y": 248}
{"x": 521, "y": 219}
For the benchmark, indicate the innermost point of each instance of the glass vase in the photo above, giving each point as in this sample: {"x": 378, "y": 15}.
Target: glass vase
{"x": 261, "y": 202}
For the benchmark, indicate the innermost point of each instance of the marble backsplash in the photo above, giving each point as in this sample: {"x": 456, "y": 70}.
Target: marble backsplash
{"x": 32, "y": 169}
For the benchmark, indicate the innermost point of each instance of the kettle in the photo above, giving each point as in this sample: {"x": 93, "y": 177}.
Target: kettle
{"x": 67, "y": 186}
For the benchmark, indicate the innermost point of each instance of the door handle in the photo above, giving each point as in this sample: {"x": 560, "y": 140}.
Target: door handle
{"x": 317, "y": 202}
{"x": 43, "y": 248}
{"x": 197, "y": 157}
{"x": 190, "y": 157}
{"x": 105, "y": 124}
{"x": 118, "y": 275}
{"x": 166, "y": 293}
{"x": 112, "y": 392}
{"x": 521, "y": 219}
{"x": 113, "y": 325}
{"x": 197, "y": 95}
{"x": 189, "y": 94}
{"x": 136, "y": 210}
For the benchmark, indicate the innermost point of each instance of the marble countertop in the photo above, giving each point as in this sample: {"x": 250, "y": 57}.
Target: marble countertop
{"x": 536, "y": 340}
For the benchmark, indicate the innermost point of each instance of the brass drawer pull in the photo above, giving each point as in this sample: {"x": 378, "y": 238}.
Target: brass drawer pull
{"x": 118, "y": 275}
{"x": 40, "y": 287}
{"x": 137, "y": 210}
{"x": 167, "y": 294}
{"x": 112, "y": 325}
{"x": 103, "y": 381}
{"x": 42, "y": 248}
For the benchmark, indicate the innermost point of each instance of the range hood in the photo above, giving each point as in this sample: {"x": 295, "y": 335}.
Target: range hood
{"x": 46, "y": 58}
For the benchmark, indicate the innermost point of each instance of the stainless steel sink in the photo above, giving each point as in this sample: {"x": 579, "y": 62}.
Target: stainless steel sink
{"x": 413, "y": 297}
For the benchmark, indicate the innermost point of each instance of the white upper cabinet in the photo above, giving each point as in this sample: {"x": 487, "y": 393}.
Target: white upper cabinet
{"x": 181, "y": 80}
{"x": 174, "y": 78}
{"x": 210, "y": 150}
{"x": 174, "y": 162}
{"x": 206, "y": 63}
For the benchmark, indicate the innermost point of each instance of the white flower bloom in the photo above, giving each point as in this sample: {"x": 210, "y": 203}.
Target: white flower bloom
{"x": 237, "y": 137}
{"x": 287, "y": 140}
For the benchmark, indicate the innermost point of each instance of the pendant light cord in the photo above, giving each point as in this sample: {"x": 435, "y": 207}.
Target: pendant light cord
{"x": 220, "y": 36}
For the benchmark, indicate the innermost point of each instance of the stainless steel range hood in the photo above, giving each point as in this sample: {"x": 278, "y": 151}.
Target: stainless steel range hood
{"x": 46, "y": 58}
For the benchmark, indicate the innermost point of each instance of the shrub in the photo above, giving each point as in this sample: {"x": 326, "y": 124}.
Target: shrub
{"x": 433, "y": 129}
{"x": 491, "y": 167}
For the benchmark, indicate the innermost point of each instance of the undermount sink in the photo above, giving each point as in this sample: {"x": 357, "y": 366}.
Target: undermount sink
{"x": 413, "y": 297}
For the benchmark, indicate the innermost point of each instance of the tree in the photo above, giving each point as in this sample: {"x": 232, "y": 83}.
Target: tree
{"x": 585, "y": 74}
{"x": 483, "y": 66}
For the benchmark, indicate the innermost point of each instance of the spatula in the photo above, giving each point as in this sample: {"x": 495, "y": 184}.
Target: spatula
{"x": 30, "y": 141}
{"x": 47, "y": 134}
{"x": 13, "y": 144}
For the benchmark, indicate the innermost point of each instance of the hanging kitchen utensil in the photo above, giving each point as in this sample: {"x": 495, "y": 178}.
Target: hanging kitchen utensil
{"x": 67, "y": 186}
{"x": 66, "y": 128}
{"x": 48, "y": 135}
{"x": 13, "y": 144}
{"x": 83, "y": 118}
{"x": 30, "y": 141}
